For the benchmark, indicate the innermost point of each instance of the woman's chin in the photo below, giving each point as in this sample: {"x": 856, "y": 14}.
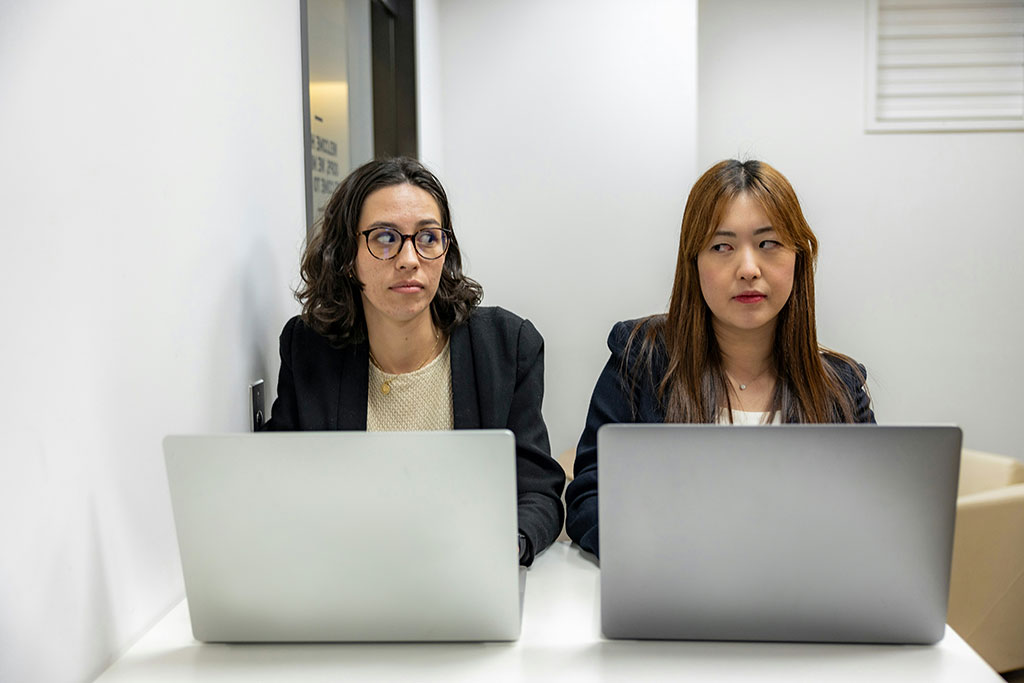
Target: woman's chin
{"x": 405, "y": 315}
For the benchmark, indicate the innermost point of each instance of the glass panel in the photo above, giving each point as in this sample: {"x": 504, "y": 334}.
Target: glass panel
{"x": 327, "y": 50}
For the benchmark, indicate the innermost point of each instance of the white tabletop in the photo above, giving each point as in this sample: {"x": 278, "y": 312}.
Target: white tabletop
{"x": 560, "y": 641}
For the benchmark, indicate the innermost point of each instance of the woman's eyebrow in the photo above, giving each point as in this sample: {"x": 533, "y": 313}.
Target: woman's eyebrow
{"x": 730, "y": 233}
{"x": 389, "y": 224}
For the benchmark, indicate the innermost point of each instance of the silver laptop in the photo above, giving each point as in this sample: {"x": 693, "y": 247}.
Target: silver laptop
{"x": 829, "y": 533}
{"x": 348, "y": 536}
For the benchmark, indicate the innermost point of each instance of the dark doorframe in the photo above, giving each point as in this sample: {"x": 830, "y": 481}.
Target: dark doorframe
{"x": 393, "y": 38}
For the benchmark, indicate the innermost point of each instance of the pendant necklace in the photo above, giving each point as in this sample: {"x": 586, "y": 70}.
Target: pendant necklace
{"x": 743, "y": 387}
{"x": 385, "y": 387}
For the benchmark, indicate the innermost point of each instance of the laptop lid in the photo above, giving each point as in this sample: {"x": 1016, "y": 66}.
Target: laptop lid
{"x": 348, "y": 536}
{"x": 837, "y": 533}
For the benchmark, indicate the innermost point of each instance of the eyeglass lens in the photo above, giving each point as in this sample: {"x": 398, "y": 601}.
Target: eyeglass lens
{"x": 385, "y": 243}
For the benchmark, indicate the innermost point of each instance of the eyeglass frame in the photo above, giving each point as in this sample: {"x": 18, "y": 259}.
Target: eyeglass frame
{"x": 446, "y": 232}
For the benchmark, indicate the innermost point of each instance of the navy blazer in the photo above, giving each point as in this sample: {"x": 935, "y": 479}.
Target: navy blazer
{"x": 611, "y": 404}
{"x": 497, "y": 361}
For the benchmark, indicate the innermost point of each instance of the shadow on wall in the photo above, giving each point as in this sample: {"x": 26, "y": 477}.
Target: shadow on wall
{"x": 257, "y": 274}
{"x": 96, "y": 627}
{"x": 243, "y": 338}
{"x": 65, "y": 595}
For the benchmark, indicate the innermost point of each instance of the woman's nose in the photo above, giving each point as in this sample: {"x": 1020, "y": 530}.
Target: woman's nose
{"x": 748, "y": 269}
{"x": 407, "y": 257}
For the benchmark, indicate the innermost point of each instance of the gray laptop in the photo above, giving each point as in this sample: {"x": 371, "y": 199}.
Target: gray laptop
{"x": 829, "y": 533}
{"x": 348, "y": 536}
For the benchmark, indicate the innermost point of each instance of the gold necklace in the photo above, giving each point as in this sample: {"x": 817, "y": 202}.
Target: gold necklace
{"x": 385, "y": 387}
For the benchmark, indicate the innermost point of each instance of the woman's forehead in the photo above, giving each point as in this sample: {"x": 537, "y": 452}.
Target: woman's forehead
{"x": 401, "y": 202}
{"x": 743, "y": 212}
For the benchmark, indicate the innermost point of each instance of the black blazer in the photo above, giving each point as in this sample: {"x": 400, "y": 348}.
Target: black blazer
{"x": 611, "y": 404}
{"x": 497, "y": 383}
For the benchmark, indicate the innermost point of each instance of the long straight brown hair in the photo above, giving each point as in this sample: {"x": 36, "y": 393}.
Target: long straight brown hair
{"x": 692, "y": 386}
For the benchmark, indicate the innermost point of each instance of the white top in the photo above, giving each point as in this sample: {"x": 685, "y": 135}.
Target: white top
{"x": 414, "y": 401}
{"x": 560, "y": 641}
{"x": 747, "y": 417}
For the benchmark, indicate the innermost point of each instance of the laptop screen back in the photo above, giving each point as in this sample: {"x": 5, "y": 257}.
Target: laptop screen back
{"x": 838, "y": 533}
{"x": 348, "y": 536}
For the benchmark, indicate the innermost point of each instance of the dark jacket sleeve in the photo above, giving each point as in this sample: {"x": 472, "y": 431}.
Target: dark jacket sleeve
{"x": 313, "y": 378}
{"x": 539, "y": 476}
{"x": 610, "y": 403}
{"x": 284, "y": 411}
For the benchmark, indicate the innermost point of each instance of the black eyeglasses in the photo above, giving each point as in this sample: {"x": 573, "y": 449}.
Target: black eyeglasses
{"x": 387, "y": 243}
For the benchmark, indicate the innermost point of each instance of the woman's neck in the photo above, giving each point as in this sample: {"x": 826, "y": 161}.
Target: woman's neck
{"x": 402, "y": 346}
{"x": 747, "y": 355}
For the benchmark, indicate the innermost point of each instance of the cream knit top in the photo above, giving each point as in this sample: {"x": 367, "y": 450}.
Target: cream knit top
{"x": 418, "y": 401}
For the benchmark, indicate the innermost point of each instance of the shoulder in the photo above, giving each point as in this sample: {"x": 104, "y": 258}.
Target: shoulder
{"x": 301, "y": 342}
{"x": 852, "y": 374}
{"x": 853, "y": 377}
{"x": 618, "y": 338}
{"x": 293, "y": 332}
{"x": 631, "y": 340}
{"x": 494, "y": 317}
{"x": 296, "y": 332}
{"x": 495, "y": 325}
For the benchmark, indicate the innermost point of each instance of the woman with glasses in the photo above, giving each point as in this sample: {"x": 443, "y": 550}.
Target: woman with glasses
{"x": 738, "y": 344}
{"x": 391, "y": 336}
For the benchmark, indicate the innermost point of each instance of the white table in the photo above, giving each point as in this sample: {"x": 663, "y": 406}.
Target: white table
{"x": 560, "y": 641}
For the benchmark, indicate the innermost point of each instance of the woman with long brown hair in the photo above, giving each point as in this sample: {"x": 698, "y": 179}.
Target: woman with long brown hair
{"x": 392, "y": 336}
{"x": 738, "y": 344}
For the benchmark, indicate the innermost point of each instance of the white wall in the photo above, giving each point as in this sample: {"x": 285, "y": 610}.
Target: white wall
{"x": 567, "y": 133}
{"x": 921, "y": 234}
{"x": 151, "y": 216}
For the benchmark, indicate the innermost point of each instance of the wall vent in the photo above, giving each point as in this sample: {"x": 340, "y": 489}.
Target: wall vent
{"x": 945, "y": 65}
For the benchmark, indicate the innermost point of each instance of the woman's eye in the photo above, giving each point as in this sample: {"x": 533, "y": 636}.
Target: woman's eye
{"x": 386, "y": 237}
{"x": 426, "y": 237}
{"x": 721, "y": 247}
{"x": 770, "y": 244}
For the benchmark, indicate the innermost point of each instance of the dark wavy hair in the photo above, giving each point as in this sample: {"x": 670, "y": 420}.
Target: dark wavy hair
{"x": 330, "y": 293}
{"x": 693, "y": 386}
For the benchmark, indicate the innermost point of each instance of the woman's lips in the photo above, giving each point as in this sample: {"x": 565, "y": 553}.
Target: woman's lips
{"x": 750, "y": 297}
{"x": 407, "y": 287}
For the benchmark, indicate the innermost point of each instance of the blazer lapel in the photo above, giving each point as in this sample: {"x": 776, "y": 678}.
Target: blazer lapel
{"x": 465, "y": 411}
{"x": 354, "y": 377}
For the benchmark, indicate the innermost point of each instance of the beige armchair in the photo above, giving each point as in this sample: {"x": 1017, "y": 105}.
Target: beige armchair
{"x": 986, "y": 593}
